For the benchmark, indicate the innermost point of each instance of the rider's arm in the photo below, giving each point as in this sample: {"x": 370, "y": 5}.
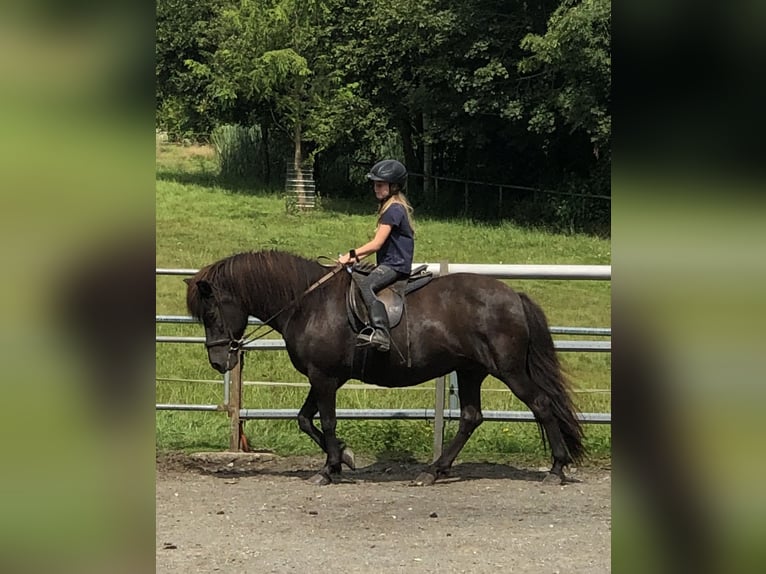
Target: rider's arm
{"x": 381, "y": 234}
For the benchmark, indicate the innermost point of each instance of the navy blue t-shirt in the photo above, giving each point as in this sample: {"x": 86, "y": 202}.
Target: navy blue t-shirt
{"x": 399, "y": 248}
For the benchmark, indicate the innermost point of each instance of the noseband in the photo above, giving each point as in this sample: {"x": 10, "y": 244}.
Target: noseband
{"x": 234, "y": 345}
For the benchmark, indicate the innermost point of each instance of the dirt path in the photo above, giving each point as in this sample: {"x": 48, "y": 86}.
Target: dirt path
{"x": 259, "y": 515}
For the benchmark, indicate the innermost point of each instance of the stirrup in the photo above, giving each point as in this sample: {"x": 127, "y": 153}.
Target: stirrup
{"x": 371, "y": 337}
{"x": 364, "y": 338}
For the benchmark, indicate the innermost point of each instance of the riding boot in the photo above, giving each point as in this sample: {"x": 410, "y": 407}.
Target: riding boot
{"x": 377, "y": 335}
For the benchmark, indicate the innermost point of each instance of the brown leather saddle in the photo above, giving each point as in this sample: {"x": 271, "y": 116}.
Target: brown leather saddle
{"x": 393, "y": 296}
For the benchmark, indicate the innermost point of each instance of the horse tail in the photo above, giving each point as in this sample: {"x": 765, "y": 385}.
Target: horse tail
{"x": 545, "y": 370}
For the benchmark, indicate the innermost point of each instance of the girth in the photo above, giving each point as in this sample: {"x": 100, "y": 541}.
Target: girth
{"x": 393, "y": 296}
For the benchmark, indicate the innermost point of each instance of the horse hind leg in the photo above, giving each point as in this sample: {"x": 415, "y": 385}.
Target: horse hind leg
{"x": 544, "y": 410}
{"x": 469, "y": 393}
{"x": 539, "y": 381}
{"x": 306, "y": 424}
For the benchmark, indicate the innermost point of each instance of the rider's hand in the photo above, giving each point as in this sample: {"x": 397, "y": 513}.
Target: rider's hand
{"x": 349, "y": 257}
{"x": 345, "y": 259}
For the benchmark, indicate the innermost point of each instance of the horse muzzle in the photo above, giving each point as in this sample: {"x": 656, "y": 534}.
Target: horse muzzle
{"x": 223, "y": 360}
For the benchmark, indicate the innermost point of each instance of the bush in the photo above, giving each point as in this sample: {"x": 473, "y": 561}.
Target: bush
{"x": 237, "y": 151}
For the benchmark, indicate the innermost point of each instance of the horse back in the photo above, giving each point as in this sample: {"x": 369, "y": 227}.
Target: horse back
{"x": 448, "y": 324}
{"x": 463, "y": 298}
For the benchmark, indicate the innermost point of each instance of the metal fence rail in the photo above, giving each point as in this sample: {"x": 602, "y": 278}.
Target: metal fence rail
{"x": 279, "y": 344}
{"x": 500, "y": 271}
{"x": 595, "y": 331}
{"x": 382, "y": 414}
{"x": 414, "y": 414}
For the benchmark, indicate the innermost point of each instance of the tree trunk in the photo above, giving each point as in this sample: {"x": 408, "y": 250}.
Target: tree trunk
{"x": 427, "y": 156}
{"x": 265, "y": 144}
{"x": 410, "y": 155}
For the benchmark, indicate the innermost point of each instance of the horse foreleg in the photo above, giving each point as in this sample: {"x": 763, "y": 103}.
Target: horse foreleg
{"x": 469, "y": 392}
{"x": 324, "y": 391}
{"x": 306, "y": 424}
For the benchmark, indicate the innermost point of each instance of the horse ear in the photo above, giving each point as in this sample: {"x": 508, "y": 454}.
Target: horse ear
{"x": 188, "y": 281}
{"x": 205, "y": 289}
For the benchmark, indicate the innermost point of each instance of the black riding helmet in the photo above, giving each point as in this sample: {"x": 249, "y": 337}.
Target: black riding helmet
{"x": 389, "y": 170}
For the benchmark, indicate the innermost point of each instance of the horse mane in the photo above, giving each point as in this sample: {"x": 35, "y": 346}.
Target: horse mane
{"x": 255, "y": 277}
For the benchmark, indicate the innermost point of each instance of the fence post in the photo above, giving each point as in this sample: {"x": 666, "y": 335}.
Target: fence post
{"x": 236, "y": 437}
{"x": 454, "y": 402}
{"x": 439, "y": 400}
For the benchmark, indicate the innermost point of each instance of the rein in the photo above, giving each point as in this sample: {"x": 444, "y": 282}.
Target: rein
{"x": 250, "y": 337}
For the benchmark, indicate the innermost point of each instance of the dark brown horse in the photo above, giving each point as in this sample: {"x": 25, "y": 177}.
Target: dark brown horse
{"x": 471, "y": 324}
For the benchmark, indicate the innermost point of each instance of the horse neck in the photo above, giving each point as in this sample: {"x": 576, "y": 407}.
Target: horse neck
{"x": 273, "y": 287}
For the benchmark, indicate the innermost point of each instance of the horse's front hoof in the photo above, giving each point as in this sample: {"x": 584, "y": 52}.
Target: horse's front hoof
{"x": 553, "y": 479}
{"x": 347, "y": 457}
{"x": 424, "y": 479}
{"x": 319, "y": 479}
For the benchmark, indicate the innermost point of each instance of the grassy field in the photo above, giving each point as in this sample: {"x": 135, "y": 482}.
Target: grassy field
{"x": 200, "y": 220}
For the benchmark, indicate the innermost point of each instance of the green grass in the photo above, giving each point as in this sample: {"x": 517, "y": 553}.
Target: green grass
{"x": 200, "y": 220}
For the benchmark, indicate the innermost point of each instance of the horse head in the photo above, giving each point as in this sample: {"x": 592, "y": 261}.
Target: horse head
{"x": 224, "y": 318}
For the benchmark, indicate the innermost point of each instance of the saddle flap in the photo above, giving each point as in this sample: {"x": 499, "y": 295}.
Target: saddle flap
{"x": 393, "y": 297}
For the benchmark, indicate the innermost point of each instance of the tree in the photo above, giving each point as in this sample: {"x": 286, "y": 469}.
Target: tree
{"x": 183, "y": 33}
{"x": 395, "y": 51}
{"x": 571, "y": 70}
{"x": 268, "y": 68}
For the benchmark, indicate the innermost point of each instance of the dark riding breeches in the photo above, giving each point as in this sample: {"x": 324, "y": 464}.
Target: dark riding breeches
{"x": 380, "y": 277}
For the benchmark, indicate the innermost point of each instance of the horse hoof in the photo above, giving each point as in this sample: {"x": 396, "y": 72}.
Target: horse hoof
{"x": 319, "y": 479}
{"x": 424, "y": 479}
{"x": 347, "y": 456}
{"x": 553, "y": 479}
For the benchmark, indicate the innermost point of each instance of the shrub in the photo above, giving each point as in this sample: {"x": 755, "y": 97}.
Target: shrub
{"x": 237, "y": 150}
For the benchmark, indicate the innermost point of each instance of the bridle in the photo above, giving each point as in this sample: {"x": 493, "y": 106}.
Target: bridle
{"x": 236, "y": 345}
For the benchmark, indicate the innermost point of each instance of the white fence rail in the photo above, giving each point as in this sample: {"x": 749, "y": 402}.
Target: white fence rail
{"x": 510, "y": 271}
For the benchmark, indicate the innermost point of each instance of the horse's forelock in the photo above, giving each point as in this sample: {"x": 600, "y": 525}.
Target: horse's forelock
{"x": 214, "y": 274}
{"x": 193, "y": 296}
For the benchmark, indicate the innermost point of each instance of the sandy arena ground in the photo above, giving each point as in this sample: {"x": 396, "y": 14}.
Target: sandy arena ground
{"x": 256, "y": 513}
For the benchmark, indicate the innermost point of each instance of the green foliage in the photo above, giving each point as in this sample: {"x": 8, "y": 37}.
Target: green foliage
{"x": 573, "y": 62}
{"x": 236, "y": 149}
{"x": 184, "y": 34}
